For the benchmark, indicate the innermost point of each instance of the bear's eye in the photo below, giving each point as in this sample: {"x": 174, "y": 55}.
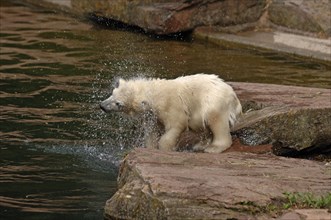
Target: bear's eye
{"x": 116, "y": 84}
{"x": 118, "y": 104}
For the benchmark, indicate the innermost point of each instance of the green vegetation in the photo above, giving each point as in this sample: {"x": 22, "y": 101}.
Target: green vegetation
{"x": 295, "y": 200}
{"x": 306, "y": 200}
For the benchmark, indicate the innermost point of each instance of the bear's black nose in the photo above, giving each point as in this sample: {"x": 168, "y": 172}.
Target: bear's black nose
{"x": 103, "y": 108}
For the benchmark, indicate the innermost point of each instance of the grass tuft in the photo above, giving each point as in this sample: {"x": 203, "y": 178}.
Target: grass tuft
{"x": 306, "y": 200}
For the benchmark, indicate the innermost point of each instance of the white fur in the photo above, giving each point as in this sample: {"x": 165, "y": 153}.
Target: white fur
{"x": 197, "y": 102}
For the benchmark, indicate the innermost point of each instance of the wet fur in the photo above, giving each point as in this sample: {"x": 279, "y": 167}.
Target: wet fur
{"x": 198, "y": 102}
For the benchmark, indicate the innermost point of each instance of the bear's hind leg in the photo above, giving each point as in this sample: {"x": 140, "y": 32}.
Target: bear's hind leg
{"x": 219, "y": 126}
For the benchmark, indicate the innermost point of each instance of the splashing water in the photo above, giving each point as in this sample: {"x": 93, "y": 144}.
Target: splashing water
{"x": 59, "y": 152}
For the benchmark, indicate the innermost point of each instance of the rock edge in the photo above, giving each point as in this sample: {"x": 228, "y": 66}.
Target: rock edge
{"x": 178, "y": 185}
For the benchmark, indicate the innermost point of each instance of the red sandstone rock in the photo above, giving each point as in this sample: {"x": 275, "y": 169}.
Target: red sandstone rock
{"x": 154, "y": 184}
{"x": 166, "y": 17}
{"x": 306, "y": 214}
{"x": 279, "y": 95}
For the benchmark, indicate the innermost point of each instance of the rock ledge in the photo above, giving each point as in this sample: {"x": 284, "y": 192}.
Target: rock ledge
{"x": 178, "y": 185}
{"x": 234, "y": 185}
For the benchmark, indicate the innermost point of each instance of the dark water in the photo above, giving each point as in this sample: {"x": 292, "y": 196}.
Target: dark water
{"x": 58, "y": 152}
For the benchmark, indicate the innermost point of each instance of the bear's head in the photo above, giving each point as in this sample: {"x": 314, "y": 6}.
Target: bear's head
{"x": 120, "y": 100}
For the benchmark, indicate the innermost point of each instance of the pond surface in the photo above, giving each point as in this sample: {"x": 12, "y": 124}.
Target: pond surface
{"x": 59, "y": 153}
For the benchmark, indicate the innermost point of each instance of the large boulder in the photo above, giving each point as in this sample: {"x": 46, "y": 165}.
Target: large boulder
{"x": 292, "y": 119}
{"x": 307, "y": 16}
{"x": 154, "y": 184}
{"x": 166, "y": 17}
{"x": 290, "y": 130}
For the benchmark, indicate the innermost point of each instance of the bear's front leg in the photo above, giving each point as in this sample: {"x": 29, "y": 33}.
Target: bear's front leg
{"x": 151, "y": 139}
{"x": 169, "y": 139}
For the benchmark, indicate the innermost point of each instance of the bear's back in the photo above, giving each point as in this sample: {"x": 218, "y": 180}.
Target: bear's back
{"x": 201, "y": 87}
{"x": 203, "y": 92}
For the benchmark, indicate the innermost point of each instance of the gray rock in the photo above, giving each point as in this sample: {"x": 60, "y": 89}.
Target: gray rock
{"x": 291, "y": 16}
{"x": 307, "y": 16}
{"x": 291, "y": 118}
{"x": 287, "y": 128}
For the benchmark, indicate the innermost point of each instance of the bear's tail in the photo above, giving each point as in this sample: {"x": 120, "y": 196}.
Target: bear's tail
{"x": 235, "y": 110}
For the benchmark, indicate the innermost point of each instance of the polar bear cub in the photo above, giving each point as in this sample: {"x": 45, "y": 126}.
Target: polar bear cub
{"x": 198, "y": 102}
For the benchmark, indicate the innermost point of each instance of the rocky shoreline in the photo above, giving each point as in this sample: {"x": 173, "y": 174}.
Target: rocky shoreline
{"x": 176, "y": 185}
{"x": 291, "y": 26}
{"x": 246, "y": 182}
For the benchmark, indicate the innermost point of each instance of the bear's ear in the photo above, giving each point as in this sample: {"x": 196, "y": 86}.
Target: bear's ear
{"x": 118, "y": 81}
{"x": 121, "y": 81}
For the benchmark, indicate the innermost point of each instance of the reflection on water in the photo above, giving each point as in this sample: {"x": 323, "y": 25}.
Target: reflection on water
{"x": 45, "y": 185}
{"x": 58, "y": 152}
{"x": 51, "y": 164}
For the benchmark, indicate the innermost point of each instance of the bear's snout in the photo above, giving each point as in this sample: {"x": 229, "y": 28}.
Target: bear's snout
{"x": 111, "y": 104}
{"x": 103, "y": 107}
